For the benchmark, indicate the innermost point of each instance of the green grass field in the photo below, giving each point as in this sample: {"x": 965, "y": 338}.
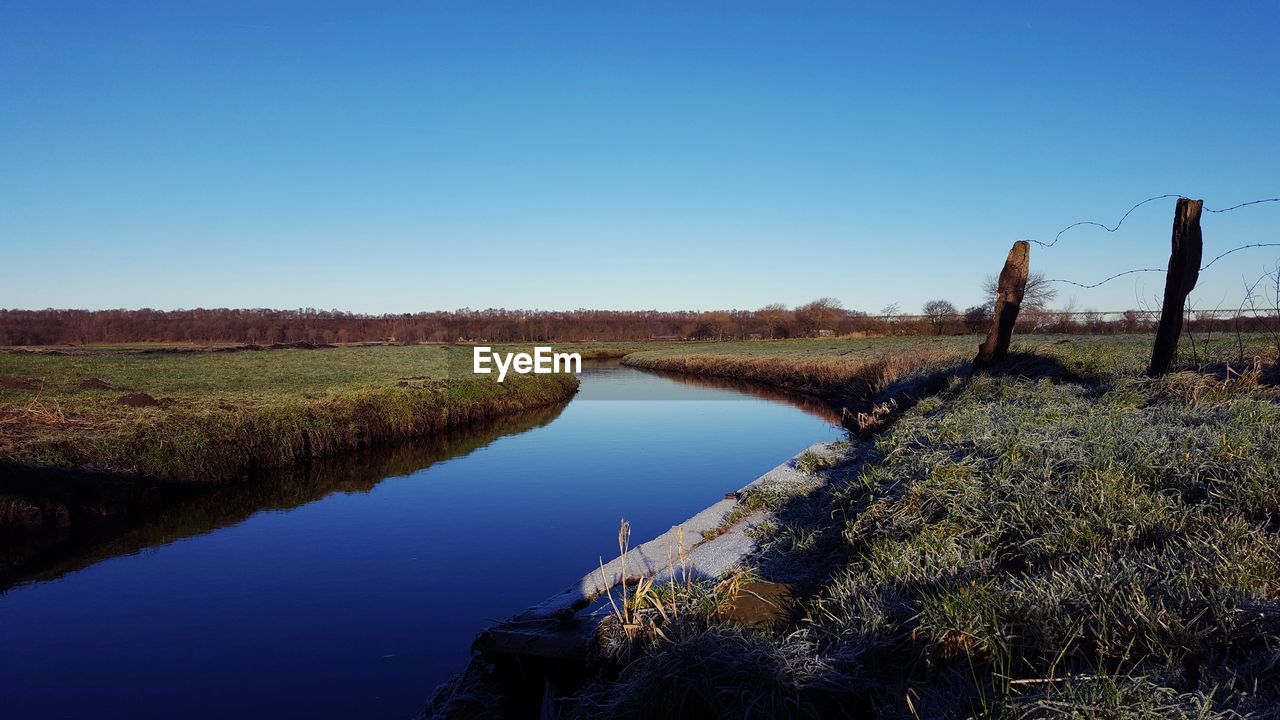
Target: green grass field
{"x": 1064, "y": 538}
{"x": 209, "y": 416}
{"x": 1061, "y": 538}
{"x": 219, "y": 415}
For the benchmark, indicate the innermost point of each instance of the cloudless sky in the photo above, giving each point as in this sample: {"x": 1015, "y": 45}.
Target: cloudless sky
{"x": 402, "y": 156}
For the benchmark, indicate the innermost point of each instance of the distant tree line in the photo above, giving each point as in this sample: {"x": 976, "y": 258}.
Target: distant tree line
{"x": 265, "y": 326}
{"x": 823, "y": 317}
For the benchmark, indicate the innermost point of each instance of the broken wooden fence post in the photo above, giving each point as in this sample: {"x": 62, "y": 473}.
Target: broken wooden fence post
{"x": 1184, "y": 270}
{"x": 1013, "y": 285}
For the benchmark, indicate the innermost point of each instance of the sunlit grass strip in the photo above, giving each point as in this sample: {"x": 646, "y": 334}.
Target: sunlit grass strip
{"x": 832, "y": 377}
{"x": 222, "y": 415}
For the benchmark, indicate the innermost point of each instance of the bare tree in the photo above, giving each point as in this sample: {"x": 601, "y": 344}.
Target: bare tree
{"x": 775, "y": 317}
{"x": 977, "y": 318}
{"x": 1039, "y": 293}
{"x": 1093, "y": 320}
{"x": 821, "y": 314}
{"x": 939, "y": 313}
{"x": 718, "y": 322}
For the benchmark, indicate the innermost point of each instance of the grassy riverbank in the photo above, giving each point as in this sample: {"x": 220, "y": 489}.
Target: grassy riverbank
{"x": 112, "y": 519}
{"x": 199, "y": 417}
{"x": 1063, "y": 539}
{"x": 837, "y": 370}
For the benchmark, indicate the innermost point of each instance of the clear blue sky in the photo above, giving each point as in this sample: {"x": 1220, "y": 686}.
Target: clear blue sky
{"x": 434, "y": 155}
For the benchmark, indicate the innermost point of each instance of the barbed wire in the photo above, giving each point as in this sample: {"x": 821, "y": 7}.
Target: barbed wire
{"x": 1244, "y": 312}
{"x": 1242, "y": 247}
{"x": 1107, "y": 280}
{"x": 1145, "y": 270}
{"x": 1129, "y": 212}
{"x": 1098, "y": 224}
{"x": 1245, "y": 204}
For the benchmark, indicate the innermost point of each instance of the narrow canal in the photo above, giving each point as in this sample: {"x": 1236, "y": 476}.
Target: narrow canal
{"x": 352, "y": 587}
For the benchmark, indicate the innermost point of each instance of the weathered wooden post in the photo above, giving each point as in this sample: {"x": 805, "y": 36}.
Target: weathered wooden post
{"x": 1013, "y": 285}
{"x": 1184, "y": 270}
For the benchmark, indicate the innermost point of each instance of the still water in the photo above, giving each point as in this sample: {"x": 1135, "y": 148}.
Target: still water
{"x": 351, "y": 588}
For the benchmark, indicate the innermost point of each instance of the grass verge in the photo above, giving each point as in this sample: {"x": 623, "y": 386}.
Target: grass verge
{"x": 838, "y": 370}
{"x": 207, "y": 417}
{"x": 1066, "y": 538}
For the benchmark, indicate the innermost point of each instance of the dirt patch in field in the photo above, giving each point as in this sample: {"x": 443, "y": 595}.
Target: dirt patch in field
{"x": 12, "y": 382}
{"x": 249, "y": 347}
{"x": 39, "y": 351}
{"x": 142, "y": 400}
{"x": 422, "y": 382}
{"x": 95, "y": 384}
{"x": 301, "y": 345}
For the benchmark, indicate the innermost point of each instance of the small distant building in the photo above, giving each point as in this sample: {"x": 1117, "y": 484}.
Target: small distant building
{"x": 826, "y": 333}
{"x": 755, "y": 336}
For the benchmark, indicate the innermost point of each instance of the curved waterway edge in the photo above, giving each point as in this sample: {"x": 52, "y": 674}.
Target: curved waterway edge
{"x": 355, "y": 585}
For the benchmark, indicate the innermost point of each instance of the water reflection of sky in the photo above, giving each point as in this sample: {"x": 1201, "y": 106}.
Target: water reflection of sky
{"x": 355, "y": 597}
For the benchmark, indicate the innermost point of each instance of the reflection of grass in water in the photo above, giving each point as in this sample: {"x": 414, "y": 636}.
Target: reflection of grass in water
{"x": 280, "y": 489}
{"x": 806, "y": 403}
